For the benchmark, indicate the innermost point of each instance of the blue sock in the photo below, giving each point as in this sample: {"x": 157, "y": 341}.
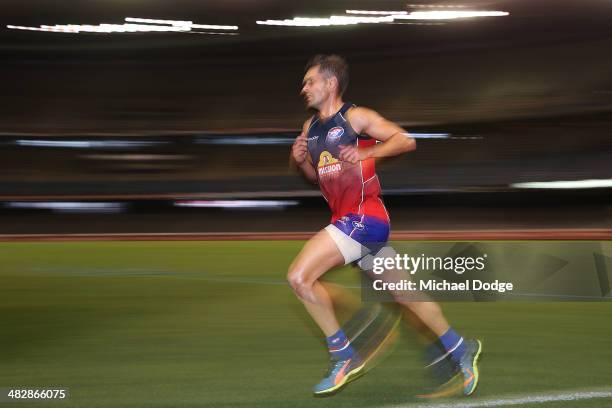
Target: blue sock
{"x": 453, "y": 344}
{"x": 339, "y": 346}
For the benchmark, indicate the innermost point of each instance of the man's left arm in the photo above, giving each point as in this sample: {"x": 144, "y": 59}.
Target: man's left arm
{"x": 394, "y": 139}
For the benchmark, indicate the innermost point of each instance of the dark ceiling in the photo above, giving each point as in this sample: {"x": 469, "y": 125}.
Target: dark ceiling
{"x": 546, "y": 58}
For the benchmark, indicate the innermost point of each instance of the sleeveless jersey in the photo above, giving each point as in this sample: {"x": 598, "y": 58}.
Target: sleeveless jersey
{"x": 347, "y": 188}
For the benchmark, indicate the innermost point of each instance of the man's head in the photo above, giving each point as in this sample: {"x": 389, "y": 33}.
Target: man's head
{"x": 326, "y": 76}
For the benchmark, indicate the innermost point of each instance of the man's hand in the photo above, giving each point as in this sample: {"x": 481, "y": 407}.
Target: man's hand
{"x": 299, "y": 149}
{"x": 352, "y": 154}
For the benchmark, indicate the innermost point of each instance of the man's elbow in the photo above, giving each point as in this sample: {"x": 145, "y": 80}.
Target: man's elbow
{"x": 409, "y": 144}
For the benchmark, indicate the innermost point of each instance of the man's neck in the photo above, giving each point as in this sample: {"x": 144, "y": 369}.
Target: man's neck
{"x": 330, "y": 108}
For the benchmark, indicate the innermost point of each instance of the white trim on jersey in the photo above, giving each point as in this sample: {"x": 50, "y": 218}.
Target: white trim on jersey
{"x": 312, "y": 124}
{"x": 362, "y": 182}
{"x": 374, "y": 176}
{"x": 384, "y": 208}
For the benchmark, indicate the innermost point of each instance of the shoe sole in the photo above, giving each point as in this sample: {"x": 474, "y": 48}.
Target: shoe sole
{"x": 350, "y": 376}
{"x": 475, "y": 365}
{"x": 452, "y": 388}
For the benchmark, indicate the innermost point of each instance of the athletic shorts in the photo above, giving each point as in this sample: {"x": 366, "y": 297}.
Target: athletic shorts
{"x": 358, "y": 235}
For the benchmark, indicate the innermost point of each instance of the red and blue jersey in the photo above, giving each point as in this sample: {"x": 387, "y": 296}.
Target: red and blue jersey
{"x": 348, "y": 188}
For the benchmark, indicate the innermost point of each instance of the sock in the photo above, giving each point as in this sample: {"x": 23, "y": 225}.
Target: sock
{"x": 339, "y": 346}
{"x": 453, "y": 344}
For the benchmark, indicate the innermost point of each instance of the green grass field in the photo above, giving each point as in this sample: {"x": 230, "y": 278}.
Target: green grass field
{"x": 213, "y": 324}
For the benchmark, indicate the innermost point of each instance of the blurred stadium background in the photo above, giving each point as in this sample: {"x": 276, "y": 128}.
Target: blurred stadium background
{"x": 143, "y": 120}
{"x": 189, "y": 132}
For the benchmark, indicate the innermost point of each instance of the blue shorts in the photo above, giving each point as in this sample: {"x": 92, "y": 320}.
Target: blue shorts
{"x": 358, "y": 235}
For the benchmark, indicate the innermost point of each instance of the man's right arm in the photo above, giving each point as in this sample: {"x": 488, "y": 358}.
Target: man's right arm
{"x": 300, "y": 156}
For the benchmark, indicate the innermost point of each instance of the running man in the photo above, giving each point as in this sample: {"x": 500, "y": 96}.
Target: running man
{"x": 337, "y": 150}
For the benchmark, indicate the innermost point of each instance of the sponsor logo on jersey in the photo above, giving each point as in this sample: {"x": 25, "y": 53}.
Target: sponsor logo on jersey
{"x": 358, "y": 225}
{"x": 334, "y": 134}
{"x": 328, "y": 164}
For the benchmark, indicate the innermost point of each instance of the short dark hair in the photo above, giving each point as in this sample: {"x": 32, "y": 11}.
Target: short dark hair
{"x": 331, "y": 65}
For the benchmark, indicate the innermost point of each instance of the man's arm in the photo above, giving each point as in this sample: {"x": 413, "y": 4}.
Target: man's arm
{"x": 300, "y": 157}
{"x": 366, "y": 121}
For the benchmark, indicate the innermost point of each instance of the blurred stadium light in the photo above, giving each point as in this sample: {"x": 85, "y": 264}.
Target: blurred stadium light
{"x": 148, "y": 25}
{"x": 573, "y": 184}
{"x": 247, "y": 204}
{"x": 70, "y": 207}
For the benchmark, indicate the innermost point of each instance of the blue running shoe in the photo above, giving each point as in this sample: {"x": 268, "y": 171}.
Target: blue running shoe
{"x": 469, "y": 365}
{"x": 466, "y": 379}
{"x": 340, "y": 373}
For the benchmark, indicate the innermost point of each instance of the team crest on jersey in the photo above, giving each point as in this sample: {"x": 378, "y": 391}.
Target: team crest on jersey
{"x": 328, "y": 164}
{"x": 334, "y": 134}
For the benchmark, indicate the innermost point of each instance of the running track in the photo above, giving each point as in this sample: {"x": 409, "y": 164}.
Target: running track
{"x": 468, "y": 235}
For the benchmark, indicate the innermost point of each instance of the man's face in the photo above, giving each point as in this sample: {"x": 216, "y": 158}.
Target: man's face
{"x": 315, "y": 88}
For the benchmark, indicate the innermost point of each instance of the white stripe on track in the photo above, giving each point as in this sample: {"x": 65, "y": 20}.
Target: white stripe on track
{"x": 514, "y": 400}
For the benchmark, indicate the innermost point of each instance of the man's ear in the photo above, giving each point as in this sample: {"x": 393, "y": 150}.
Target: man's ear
{"x": 332, "y": 82}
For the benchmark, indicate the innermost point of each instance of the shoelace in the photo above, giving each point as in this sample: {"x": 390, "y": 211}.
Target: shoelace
{"x": 468, "y": 352}
{"x": 334, "y": 365}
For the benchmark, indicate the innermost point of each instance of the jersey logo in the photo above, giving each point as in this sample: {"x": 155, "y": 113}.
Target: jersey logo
{"x": 334, "y": 134}
{"x": 328, "y": 164}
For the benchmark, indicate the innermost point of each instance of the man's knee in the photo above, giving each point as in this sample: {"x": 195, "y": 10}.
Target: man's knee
{"x": 298, "y": 283}
{"x": 293, "y": 277}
